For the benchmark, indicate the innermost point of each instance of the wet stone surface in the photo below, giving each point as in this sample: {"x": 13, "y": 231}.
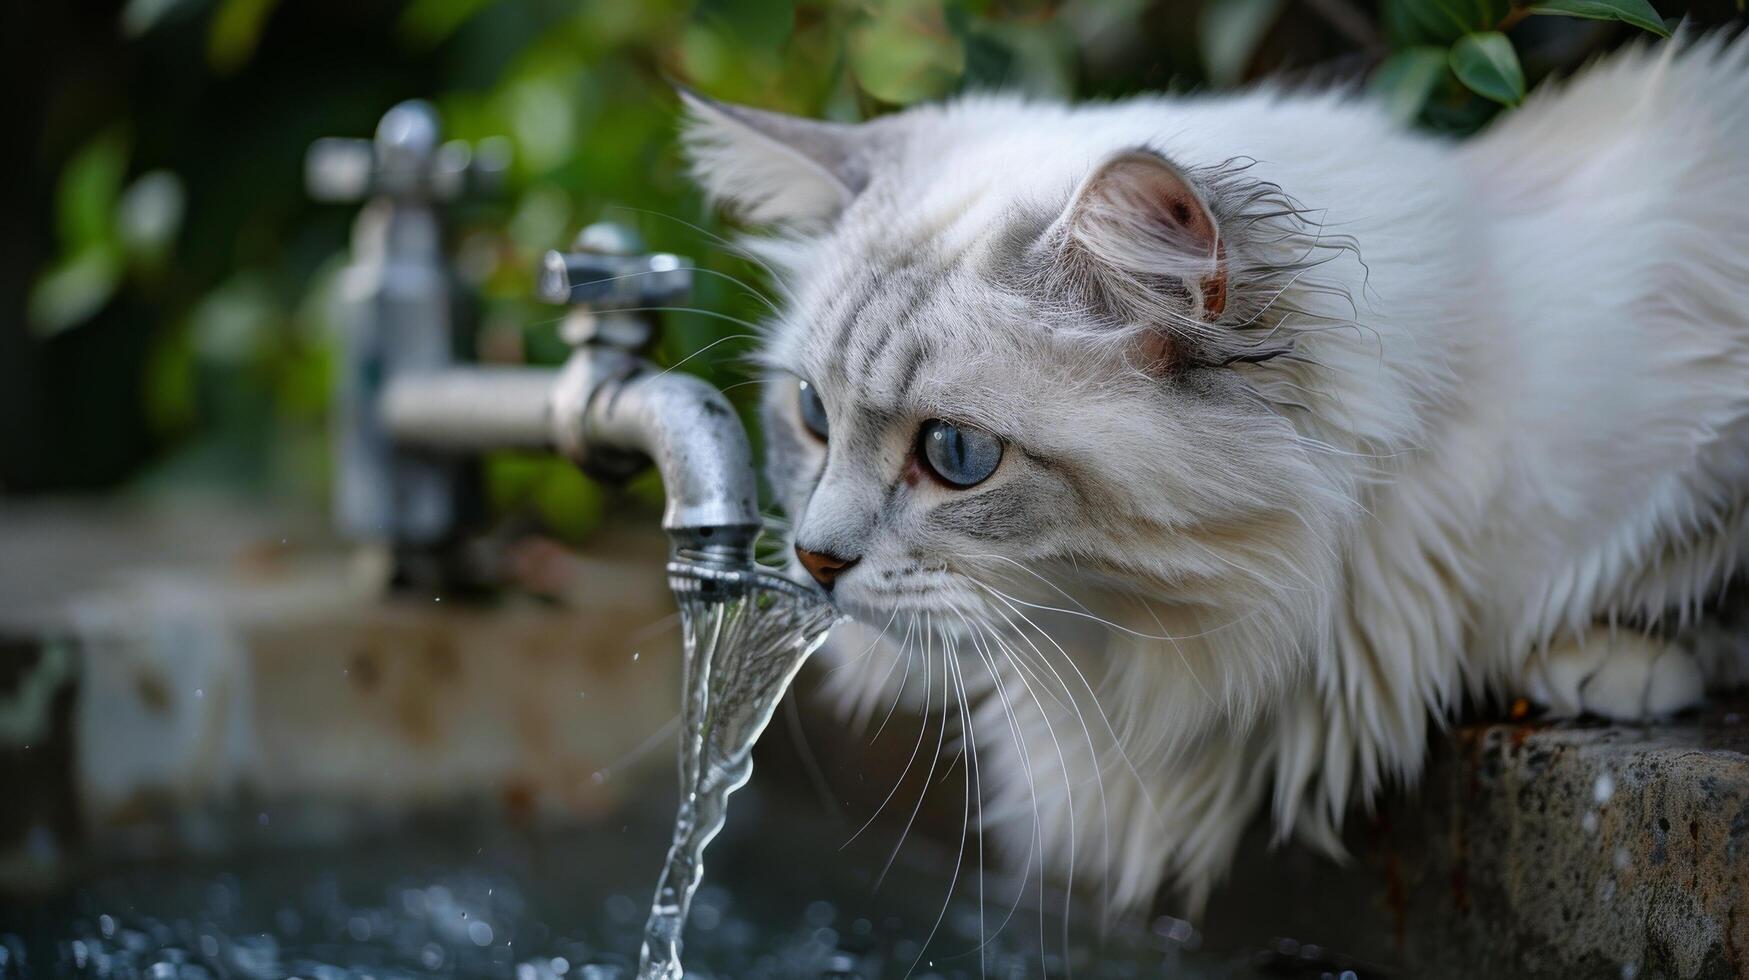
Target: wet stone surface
{"x": 454, "y": 901}
{"x": 1574, "y": 849}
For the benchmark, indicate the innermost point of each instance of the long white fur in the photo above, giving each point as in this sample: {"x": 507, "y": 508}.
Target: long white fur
{"x": 1516, "y": 408}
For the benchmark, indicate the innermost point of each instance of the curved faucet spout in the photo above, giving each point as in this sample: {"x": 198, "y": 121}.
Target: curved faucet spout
{"x": 632, "y": 411}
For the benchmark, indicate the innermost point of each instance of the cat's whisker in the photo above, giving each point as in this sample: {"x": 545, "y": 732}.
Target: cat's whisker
{"x": 899, "y": 692}
{"x": 727, "y": 244}
{"x": 1195, "y": 675}
{"x": 866, "y": 651}
{"x": 707, "y": 348}
{"x": 742, "y": 384}
{"x": 1141, "y": 599}
{"x": 949, "y": 657}
{"x": 922, "y": 731}
{"x": 650, "y": 631}
{"x": 940, "y": 739}
{"x": 755, "y": 294}
{"x": 1069, "y": 810}
{"x": 971, "y": 734}
{"x": 759, "y": 330}
{"x": 1092, "y": 695}
{"x": 1035, "y": 840}
{"x": 1054, "y": 587}
{"x": 1093, "y": 753}
{"x": 1110, "y": 624}
{"x": 649, "y": 744}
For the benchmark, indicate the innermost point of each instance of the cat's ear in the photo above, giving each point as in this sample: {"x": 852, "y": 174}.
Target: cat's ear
{"x": 770, "y": 167}
{"x": 1143, "y": 238}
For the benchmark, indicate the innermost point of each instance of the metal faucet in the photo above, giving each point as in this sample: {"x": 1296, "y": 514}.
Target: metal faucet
{"x": 410, "y": 415}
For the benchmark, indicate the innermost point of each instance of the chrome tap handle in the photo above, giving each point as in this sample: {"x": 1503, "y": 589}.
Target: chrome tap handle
{"x": 406, "y": 160}
{"x": 612, "y": 285}
{"x": 607, "y": 281}
{"x": 609, "y": 266}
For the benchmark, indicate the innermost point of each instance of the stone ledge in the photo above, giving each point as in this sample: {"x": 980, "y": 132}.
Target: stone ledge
{"x": 1564, "y": 850}
{"x": 165, "y": 667}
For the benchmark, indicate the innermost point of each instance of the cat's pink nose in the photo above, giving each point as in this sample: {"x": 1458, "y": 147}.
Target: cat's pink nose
{"x": 824, "y": 567}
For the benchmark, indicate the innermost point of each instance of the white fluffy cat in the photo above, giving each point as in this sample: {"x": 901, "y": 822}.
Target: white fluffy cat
{"x": 1210, "y": 449}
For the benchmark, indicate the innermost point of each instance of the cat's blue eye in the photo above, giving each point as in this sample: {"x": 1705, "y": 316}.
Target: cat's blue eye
{"x": 961, "y": 456}
{"x": 813, "y": 410}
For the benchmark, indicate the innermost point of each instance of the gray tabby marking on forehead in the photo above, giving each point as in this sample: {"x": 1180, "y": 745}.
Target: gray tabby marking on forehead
{"x": 896, "y": 299}
{"x": 892, "y": 327}
{"x": 871, "y": 351}
{"x": 872, "y": 282}
{"x": 844, "y": 310}
{"x": 915, "y": 355}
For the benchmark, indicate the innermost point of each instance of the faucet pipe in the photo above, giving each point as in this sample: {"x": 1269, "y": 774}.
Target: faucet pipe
{"x": 612, "y": 413}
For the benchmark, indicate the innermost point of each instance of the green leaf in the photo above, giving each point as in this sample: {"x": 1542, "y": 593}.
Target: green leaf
{"x": 760, "y": 24}
{"x": 1034, "y": 59}
{"x": 427, "y": 22}
{"x": 171, "y": 383}
{"x": 85, "y": 199}
{"x": 1487, "y": 65}
{"x": 1440, "y": 21}
{"x": 73, "y": 289}
{"x": 906, "y": 52}
{"x": 1639, "y": 13}
{"x": 1406, "y": 80}
{"x": 236, "y": 29}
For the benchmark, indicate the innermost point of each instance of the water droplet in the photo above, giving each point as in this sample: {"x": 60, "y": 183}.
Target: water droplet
{"x": 198, "y": 694}
{"x": 1603, "y": 789}
{"x": 479, "y": 933}
{"x": 635, "y": 654}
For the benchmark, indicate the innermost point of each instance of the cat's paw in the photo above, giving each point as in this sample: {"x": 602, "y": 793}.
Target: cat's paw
{"x": 1620, "y": 676}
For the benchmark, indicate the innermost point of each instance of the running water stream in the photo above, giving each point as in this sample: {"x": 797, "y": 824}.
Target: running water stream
{"x": 746, "y": 634}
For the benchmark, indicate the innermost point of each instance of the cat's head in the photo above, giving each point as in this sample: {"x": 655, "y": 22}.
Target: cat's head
{"x": 1010, "y": 362}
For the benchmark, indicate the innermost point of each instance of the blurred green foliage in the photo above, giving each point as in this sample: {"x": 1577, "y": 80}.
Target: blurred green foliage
{"x": 174, "y": 327}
